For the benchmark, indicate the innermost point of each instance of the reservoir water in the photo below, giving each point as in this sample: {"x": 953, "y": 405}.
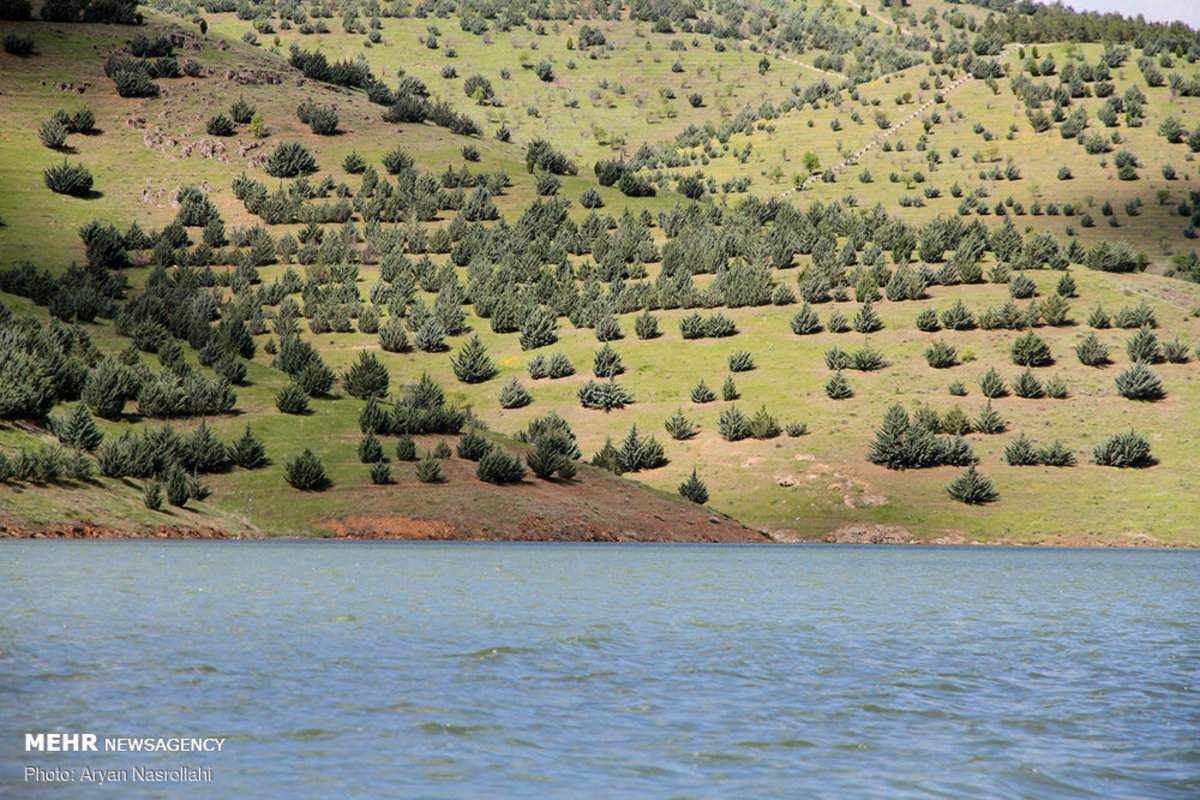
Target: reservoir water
{"x": 340, "y": 670}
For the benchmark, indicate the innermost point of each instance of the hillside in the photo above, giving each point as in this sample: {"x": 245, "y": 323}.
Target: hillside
{"x": 819, "y": 210}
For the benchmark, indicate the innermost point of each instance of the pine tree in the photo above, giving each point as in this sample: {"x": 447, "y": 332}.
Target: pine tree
{"x": 763, "y": 425}
{"x": 603, "y": 395}
{"x": 441, "y": 450}
{"x": 701, "y": 393}
{"x": 540, "y": 329}
{"x": 941, "y": 355}
{"x": 1066, "y": 286}
{"x": 607, "y": 362}
{"x": 729, "y": 390}
{"x": 1031, "y": 350}
{"x": 607, "y": 458}
{"x": 177, "y": 488}
{"x": 1056, "y": 454}
{"x": 989, "y": 420}
{"x": 1091, "y": 351}
{"x": 1099, "y": 318}
{"x": 1123, "y": 450}
{"x": 955, "y": 422}
{"x": 429, "y": 470}
{"x": 372, "y": 418}
{"x": 805, "y": 321}
{"x": 381, "y": 473}
{"x": 292, "y": 399}
{"x": 202, "y": 452}
{"x": 77, "y": 429}
{"x": 544, "y": 460}
{"x": 694, "y": 489}
{"x": 392, "y": 336}
{"x": 837, "y": 387}
{"x": 367, "y": 377}
{"x": 888, "y": 449}
{"x": 152, "y": 495}
{"x": 1139, "y": 382}
{"x": 370, "y": 450}
{"x": 107, "y": 388}
{"x": 972, "y": 488}
{"x": 406, "y": 449}
{"x": 646, "y": 325}
{"x": 500, "y": 468}
{"x": 514, "y": 394}
{"x": 740, "y": 361}
{"x": 1027, "y": 385}
{"x": 473, "y": 364}
{"x": 732, "y": 425}
{"x": 992, "y": 385}
{"x": 927, "y": 321}
{"x": 958, "y": 317}
{"x": 1020, "y": 452}
{"x": 306, "y": 472}
{"x": 680, "y": 426}
{"x": 248, "y": 452}
{"x": 867, "y": 320}
{"x": 607, "y": 329}
{"x": 1143, "y": 346}
{"x": 430, "y": 337}
{"x": 472, "y": 446}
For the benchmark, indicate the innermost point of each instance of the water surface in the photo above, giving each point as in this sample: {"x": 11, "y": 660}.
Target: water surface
{"x": 562, "y": 671}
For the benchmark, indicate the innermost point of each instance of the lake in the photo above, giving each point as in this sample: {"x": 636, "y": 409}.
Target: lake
{"x": 431, "y": 670}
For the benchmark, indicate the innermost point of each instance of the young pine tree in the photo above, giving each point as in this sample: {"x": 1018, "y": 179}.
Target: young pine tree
{"x": 473, "y": 364}
{"x": 694, "y": 489}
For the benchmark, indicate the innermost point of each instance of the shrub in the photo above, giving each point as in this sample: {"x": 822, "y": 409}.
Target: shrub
{"x": 694, "y": 489}
{"x": 429, "y": 470}
{"x": 370, "y": 450}
{"x": 701, "y": 393}
{"x": 607, "y": 362}
{"x": 514, "y": 395}
{"x": 354, "y": 163}
{"x": 545, "y": 460}
{"x": 1123, "y": 450}
{"x": 1022, "y": 286}
{"x": 441, "y": 450}
{"x": 941, "y": 355}
{"x": 220, "y": 125}
{"x": 837, "y": 387}
{"x": 1139, "y": 382}
{"x": 367, "y": 377}
{"x": 473, "y": 364}
{"x": 152, "y": 495}
{"x": 740, "y": 361}
{"x": 591, "y": 198}
{"x": 972, "y": 488}
{"x": 500, "y": 468}
{"x": 1099, "y": 318}
{"x": 1175, "y": 352}
{"x": 1031, "y": 350}
{"x": 729, "y": 390}
{"x": 957, "y": 388}
{"x": 323, "y": 121}
{"x": 18, "y": 45}
{"x": 292, "y": 399}
{"x": 607, "y": 329}
{"x": 866, "y": 359}
{"x": 838, "y": 323}
{"x": 306, "y": 472}
{"x": 70, "y": 179}
{"x": 901, "y": 443}
{"x": 290, "y": 159}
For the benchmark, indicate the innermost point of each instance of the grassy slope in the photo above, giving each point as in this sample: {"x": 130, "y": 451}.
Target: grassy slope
{"x": 833, "y": 486}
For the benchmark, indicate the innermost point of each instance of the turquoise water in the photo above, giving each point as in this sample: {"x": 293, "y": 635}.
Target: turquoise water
{"x": 563, "y": 671}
